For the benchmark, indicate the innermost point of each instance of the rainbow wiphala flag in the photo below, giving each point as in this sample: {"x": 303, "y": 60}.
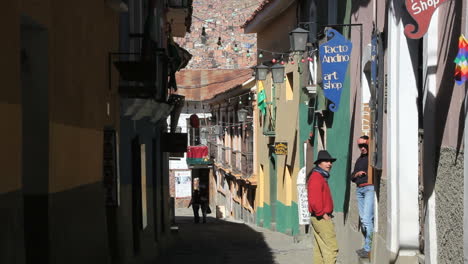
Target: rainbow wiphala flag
{"x": 461, "y": 70}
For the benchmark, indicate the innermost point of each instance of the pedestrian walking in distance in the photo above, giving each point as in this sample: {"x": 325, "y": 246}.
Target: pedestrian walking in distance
{"x": 364, "y": 195}
{"x": 321, "y": 210}
{"x": 199, "y": 201}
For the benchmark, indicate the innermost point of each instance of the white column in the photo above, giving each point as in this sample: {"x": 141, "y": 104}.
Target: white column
{"x": 465, "y": 193}
{"x": 430, "y": 92}
{"x": 465, "y": 205}
{"x": 392, "y": 67}
{"x": 403, "y": 218}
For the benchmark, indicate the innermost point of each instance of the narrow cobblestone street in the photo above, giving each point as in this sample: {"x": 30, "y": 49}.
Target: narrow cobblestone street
{"x": 228, "y": 242}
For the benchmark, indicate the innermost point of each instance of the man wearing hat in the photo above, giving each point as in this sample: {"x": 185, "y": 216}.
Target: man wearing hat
{"x": 364, "y": 195}
{"x": 321, "y": 209}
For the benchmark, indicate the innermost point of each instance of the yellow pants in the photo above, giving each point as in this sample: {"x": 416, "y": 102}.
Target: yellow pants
{"x": 325, "y": 244}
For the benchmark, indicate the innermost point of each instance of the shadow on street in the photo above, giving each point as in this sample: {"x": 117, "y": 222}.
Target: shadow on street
{"x": 217, "y": 241}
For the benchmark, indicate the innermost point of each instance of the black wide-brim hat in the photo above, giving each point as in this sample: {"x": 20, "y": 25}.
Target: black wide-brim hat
{"x": 324, "y": 155}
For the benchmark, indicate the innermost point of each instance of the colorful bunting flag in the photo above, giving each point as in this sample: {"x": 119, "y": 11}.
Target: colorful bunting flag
{"x": 461, "y": 70}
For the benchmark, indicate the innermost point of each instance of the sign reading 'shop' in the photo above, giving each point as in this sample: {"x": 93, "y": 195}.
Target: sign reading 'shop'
{"x": 421, "y": 11}
{"x": 334, "y": 56}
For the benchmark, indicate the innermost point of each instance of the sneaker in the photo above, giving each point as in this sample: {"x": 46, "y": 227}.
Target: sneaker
{"x": 364, "y": 254}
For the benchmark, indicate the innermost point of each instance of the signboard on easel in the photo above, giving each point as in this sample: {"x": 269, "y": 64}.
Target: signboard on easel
{"x": 302, "y": 197}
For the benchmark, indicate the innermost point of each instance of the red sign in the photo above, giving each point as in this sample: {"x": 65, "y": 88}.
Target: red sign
{"x": 421, "y": 11}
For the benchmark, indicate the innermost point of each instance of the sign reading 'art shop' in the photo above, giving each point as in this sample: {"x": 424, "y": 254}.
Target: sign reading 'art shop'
{"x": 421, "y": 11}
{"x": 334, "y": 56}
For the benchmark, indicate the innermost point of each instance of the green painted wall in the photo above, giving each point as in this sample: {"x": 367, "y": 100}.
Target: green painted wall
{"x": 338, "y": 136}
{"x": 264, "y": 215}
{"x": 288, "y": 224}
{"x": 305, "y": 126}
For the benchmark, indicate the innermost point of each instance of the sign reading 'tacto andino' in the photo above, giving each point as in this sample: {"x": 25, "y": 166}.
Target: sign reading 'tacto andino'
{"x": 421, "y": 11}
{"x": 334, "y": 57}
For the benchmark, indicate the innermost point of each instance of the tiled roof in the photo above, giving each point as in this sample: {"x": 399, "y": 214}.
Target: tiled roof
{"x": 200, "y": 85}
{"x": 259, "y": 9}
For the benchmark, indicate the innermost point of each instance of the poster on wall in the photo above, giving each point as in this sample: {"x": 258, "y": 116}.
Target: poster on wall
{"x": 334, "y": 57}
{"x": 183, "y": 183}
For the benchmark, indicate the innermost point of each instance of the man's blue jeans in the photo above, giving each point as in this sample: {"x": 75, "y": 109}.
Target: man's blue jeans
{"x": 365, "y": 199}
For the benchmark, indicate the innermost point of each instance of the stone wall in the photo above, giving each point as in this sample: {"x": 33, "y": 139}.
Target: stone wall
{"x": 220, "y": 19}
{"x": 449, "y": 206}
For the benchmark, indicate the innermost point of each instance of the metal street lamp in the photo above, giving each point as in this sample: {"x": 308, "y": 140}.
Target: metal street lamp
{"x": 298, "y": 39}
{"x": 261, "y": 72}
{"x": 242, "y": 115}
{"x": 277, "y": 71}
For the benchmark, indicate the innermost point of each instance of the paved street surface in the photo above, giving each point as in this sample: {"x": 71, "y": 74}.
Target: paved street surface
{"x": 231, "y": 242}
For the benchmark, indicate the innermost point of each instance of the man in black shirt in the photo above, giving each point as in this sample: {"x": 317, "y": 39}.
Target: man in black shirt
{"x": 364, "y": 195}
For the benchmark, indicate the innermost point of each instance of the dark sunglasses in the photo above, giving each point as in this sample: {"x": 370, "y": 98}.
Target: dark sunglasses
{"x": 362, "y": 145}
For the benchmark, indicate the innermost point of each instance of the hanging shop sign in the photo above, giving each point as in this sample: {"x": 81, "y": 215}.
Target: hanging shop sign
{"x": 377, "y": 102}
{"x": 421, "y": 11}
{"x": 334, "y": 56}
{"x": 174, "y": 142}
{"x": 281, "y": 148}
{"x": 461, "y": 61}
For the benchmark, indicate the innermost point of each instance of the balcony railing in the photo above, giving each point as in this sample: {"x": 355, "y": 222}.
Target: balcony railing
{"x": 220, "y": 154}
{"x": 226, "y": 157}
{"x": 234, "y": 165}
{"x": 247, "y": 164}
{"x": 213, "y": 149}
{"x": 239, "y": 161}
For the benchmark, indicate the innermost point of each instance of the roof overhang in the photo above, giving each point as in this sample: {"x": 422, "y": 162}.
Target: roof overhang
{"x": 234, "y": 91}
{"x": 265, "y": 15}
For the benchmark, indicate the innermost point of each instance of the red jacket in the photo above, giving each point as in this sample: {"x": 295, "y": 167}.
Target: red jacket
{"x": 318, "y": 191}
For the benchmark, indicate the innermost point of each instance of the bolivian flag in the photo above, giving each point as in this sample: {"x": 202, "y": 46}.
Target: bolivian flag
{"x": 261, "y": 98}
{"x": 197, "y": 155}
{"x": 461, "y": 70}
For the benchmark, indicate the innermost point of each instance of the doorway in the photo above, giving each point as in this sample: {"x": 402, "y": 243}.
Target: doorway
{"x": 273, "y": 188}
{"x": 34, "y": 72}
